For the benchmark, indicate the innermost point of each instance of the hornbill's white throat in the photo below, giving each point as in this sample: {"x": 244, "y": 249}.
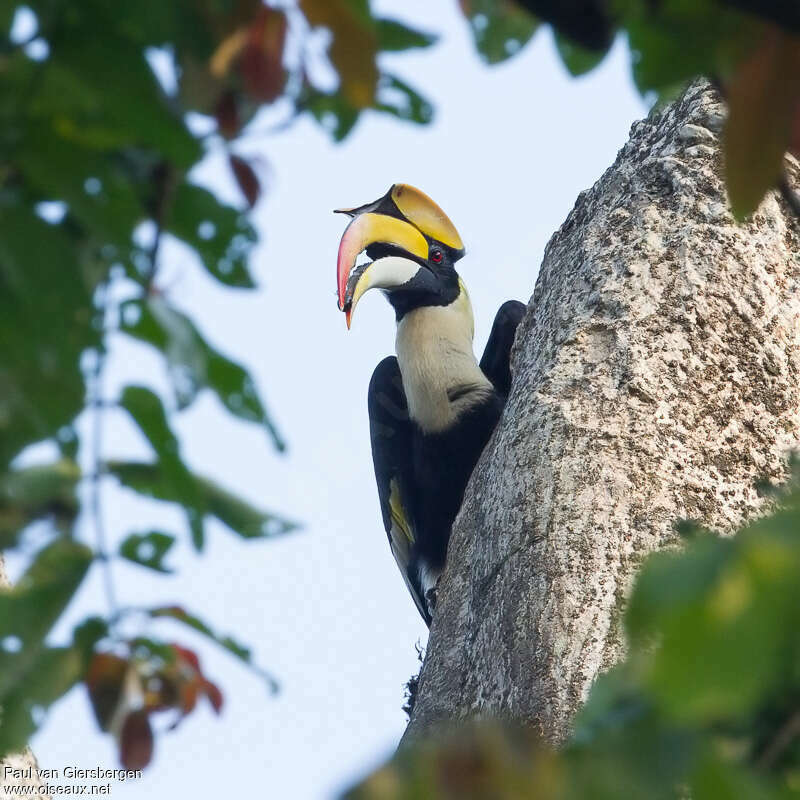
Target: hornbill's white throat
{"x": 435, "y": 355}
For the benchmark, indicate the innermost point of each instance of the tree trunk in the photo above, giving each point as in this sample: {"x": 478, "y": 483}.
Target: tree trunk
{"x": 655, "y": 379}
{"x": 10, "y": 774}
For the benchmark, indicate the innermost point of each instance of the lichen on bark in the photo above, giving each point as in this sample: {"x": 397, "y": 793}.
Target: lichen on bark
{"x": 655, "y": 379}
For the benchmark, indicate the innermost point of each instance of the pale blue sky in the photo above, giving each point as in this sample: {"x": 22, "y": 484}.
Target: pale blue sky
{"x": 325, "y": 609}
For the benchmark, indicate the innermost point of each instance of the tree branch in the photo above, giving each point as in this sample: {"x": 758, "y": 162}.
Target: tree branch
{"x": 786, "y": 734}
{"x": 654, "y": 380}
{"x": 97, "y": 409}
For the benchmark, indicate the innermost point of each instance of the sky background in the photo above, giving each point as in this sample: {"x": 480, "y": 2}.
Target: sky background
{"x": 325, "y": 609}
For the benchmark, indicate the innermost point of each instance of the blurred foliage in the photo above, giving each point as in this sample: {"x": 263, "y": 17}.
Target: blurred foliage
{"x": 706, "y": 704}
{"x": 105, "y": 110}
{"x": 749, "y": 48}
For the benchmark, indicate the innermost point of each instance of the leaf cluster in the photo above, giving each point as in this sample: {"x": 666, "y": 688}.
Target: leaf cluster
{"x": 751, "y": 50}
{"x": 100, "y": 127}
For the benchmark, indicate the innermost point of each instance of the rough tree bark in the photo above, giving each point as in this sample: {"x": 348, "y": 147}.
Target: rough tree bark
{"x": 655, "y": 378}
{"x": 25, "y": 760}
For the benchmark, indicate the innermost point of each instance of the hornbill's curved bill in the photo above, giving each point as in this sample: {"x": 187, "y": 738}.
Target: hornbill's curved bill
{"x": 433, "y": 407}
{"x": 408, "y": 223}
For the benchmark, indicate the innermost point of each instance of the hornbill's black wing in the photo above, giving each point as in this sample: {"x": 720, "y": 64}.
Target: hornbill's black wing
{"x": 495, "y": 362}
{"x": 391, "y": 435}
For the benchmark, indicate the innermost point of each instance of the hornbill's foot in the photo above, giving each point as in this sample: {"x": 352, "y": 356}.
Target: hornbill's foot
{"x": 431, "y": 597}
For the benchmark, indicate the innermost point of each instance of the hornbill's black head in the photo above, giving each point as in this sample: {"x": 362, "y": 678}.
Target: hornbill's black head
{"x": 413, "y": 247}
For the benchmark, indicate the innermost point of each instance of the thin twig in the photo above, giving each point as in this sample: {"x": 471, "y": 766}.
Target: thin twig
{"x": 97, "y": 407}
{"x": 783, "y": 738}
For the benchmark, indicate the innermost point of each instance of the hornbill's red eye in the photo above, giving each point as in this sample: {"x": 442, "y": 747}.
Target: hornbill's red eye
{"x": 437, "y": 256}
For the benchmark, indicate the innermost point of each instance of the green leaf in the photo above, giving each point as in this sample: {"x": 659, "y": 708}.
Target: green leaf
{"x": 147, "y": 411}
{"x": 725, "y": 612}
{"x": 394, "y": 36}
{"x": 109, "y": 108}
{"x": 578, "y": 60}
{"x": 99, "y": 191}
{"x": 714, "y": 779}
{"x": 147, "y": 649}
{"x": 48, "y": 676}
{"x": 616, "y": 700}
{"x": 148, "y": 549}
{"x": 500, "y": 27}
{"x": 42, "y": 491}
{"x": 671, "y": 585}
{"x": 361, "y": 10}
{"x": 241, "y": 517}
{"x": 476, "y": 760}
{"x": 7, "y": 11}
{"x": 193, "y": 364}
{"x": 220, "y": 234}
{"x": 235, "y": 388}
{"x": 31, "y": 607}
{"x": 32, "y": 677}
{"x": 226, "y": 642}
{"x": 332, "y": 112}
{"x": 763, "y": 99}
{"x": 87, "y": 634}
{"x": 675, "y": 41}
{"x": 636, "y": 756}
{"x": 399, "y": 99}
{"x": 41, "y": 385}
{"x": 154, "y": 23}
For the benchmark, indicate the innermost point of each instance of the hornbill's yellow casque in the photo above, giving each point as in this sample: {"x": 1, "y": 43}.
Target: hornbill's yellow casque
{"x": 432, "y": 408}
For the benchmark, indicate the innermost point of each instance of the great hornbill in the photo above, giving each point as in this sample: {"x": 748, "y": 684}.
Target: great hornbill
{"x": 433, "y": 407}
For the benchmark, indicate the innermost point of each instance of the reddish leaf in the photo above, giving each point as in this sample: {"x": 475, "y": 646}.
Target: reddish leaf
{"x": 246, "y": 178}
{"x": 763, "y": 97}
{"x": 190, "y": 691}
{"x": 214, "y": 695}
{"x": 104, "y": 681}
{"x": 261, "y": 64}
{"x": 187, "y": 656}
{"x": 227, "y": 114}
{"x": 136, "y": 741}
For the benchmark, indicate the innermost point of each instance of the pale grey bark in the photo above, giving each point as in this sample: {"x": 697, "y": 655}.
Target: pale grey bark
{"x": 15, "y": 768}
{"x": 655, "y": 378}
